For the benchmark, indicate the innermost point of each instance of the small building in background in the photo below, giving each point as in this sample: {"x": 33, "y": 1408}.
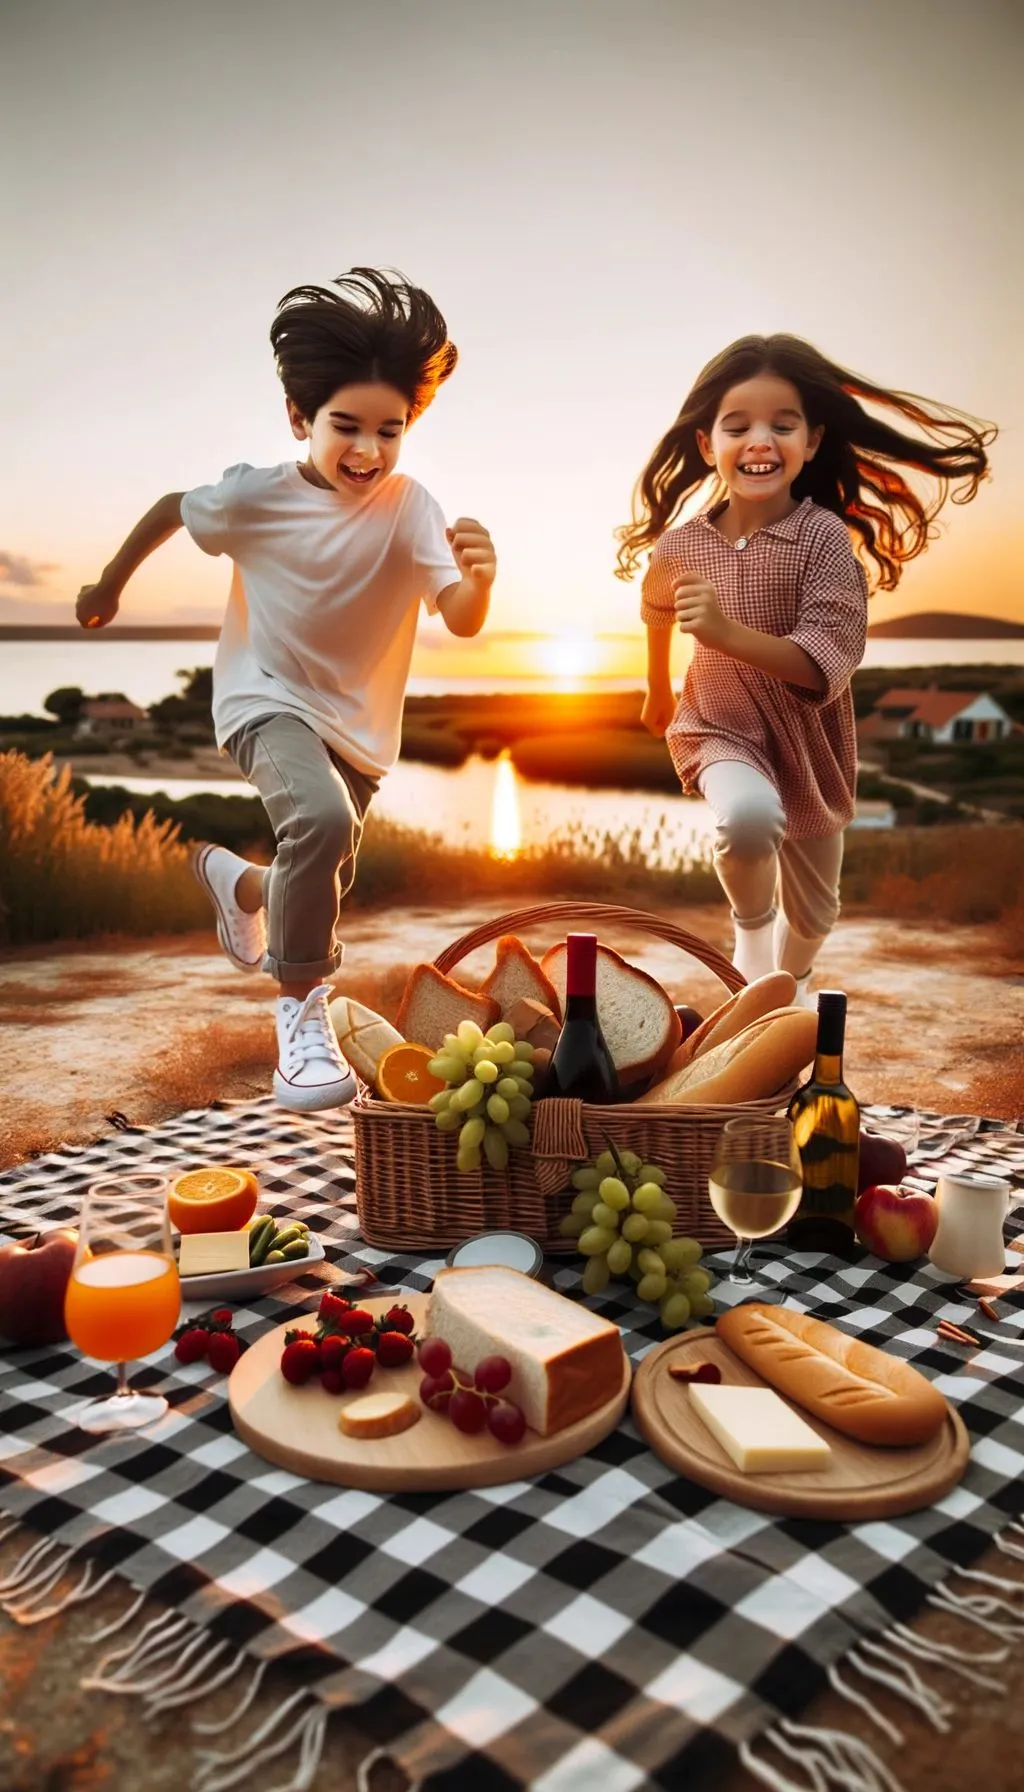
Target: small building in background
{"x": 103, "y": 718}
{"x": 952, "y": 718}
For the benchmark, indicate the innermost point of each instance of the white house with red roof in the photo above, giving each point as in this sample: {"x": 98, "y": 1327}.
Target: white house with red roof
{"x": 103, "y": 717}
{"x": 956, "y": 718}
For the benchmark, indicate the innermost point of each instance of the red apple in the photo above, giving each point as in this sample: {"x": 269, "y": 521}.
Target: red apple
{"x": 33, "y": 1281}
{"x": 895, "y": 1223}
{"x": 881, "y": 1160}
{"x": 690, "y": 1019}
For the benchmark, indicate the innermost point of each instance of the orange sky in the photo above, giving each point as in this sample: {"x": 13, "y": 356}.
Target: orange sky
{"x": 530, "y": 166}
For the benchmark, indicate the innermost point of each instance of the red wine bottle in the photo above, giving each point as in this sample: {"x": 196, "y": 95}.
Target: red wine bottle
{"x": 581, "y": 1064}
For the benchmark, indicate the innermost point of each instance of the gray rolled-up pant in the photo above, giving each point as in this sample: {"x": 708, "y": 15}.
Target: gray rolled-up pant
{"x": 317, "y": 804}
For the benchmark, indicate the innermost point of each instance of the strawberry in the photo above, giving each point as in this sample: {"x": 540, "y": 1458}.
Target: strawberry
{"x": 192, "y": 1345}
{"x": 357, "y": 1322}
{"x": 398, "y": 1319}
{"x": 333, "y": 1380}
{"x": 222, "y": 1316}
{"x": 332, "y": 1351}
{"x": 224, "y": 1351}
{"x": 300, "y": 1358}
{"x": 333, "y": 1308}
{"x": 358, "y": 1366}
{"x": 394, "y": 1349}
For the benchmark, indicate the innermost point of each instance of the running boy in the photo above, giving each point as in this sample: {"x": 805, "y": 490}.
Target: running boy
{"x": 332, "y": 556}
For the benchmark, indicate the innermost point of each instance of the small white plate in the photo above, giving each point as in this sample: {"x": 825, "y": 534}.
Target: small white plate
{"x": 249, "y": 1284}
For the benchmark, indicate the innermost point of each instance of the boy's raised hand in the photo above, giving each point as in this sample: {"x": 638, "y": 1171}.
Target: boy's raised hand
{"x": 474, "y": 552}
{"x": 96, "y": 605}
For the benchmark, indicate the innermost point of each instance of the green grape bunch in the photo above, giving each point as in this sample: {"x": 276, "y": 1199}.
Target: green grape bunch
{"x": 489, "y": 1093}
{"x": 622, "y": 1219}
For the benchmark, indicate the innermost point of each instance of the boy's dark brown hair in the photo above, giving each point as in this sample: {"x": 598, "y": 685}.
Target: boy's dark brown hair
{"x": 856, "y": 472}
{"x": 375, "y": 327}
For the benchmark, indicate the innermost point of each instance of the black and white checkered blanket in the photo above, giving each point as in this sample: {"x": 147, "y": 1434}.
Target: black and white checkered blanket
{"x": 606, "y": 1625}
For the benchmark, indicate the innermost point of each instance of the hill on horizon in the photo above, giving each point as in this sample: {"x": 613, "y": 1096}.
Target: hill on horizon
{"x": 946, "y": 625}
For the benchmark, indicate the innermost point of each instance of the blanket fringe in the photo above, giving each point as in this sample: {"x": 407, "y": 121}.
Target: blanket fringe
{"x": 367, "y": 1765}
{"x": 833, "y": 1759}
{"x": 217, "y": 1773}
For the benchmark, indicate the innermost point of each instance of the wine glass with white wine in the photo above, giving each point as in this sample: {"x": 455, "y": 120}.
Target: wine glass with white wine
{"x": 755, "y": 1184}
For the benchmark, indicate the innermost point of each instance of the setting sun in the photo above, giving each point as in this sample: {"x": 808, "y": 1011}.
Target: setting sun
{"x": 506, "y": 833}
{"x": 569, "y": 657}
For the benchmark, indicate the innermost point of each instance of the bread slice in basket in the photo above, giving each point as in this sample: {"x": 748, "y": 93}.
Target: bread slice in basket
{"x": 749, "y": 1067}
{"x": 433, "y": 1005}
{"x": 639, "y": 1022}
{"x": 517, "y": 976}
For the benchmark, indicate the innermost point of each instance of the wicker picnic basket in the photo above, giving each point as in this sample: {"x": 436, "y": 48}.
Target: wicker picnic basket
{"x": 411, "y": 1197}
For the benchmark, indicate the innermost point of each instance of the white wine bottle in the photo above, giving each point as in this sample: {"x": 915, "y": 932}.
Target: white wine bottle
{"x": 826, "y": 1126}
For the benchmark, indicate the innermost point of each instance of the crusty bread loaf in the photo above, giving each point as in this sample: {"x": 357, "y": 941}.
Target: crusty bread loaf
{"x": 639, "y": 1022}
{"x": 533, "y": 1021}
{"x": 434, "y": 1005}
{"x": 763, "y": 996}
{"x": 517, "y": 974}
{"x": 755, "y": 1064}
{"x": 364, "y": 1036}
{"x": 852, "y": 1386}
{"x": 565, "y": 1360}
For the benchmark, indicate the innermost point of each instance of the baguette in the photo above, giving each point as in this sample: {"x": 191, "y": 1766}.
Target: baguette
{"x": 853, "y": 1387}
{"x": 364, "y": 1036}
{"x": 517, "y": 974}
{"x": 763, "y": 996}
{"x": 638, "y": 1020}
{"x": 755, "y": 1064}
{"x": 434, "y": 1005}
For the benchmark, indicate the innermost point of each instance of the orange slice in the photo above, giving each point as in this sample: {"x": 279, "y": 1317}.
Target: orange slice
{"x": 402, "y": 1074}
{"x": 217, "y": 1199}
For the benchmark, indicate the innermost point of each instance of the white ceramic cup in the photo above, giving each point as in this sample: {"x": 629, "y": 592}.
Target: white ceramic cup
{"x": 972, "y": 1213}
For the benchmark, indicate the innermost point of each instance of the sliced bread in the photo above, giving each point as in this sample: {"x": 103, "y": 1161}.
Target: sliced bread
{"x": 532, "y": 1021}
{"x": 433, "y": 1005}
{"x": 639, "y": 1022}
{"x": 517, "y": 975}
{"x": 763, "y": 996}
{"x": 751, "y": 1066}
{"x": 364, "y": 1036}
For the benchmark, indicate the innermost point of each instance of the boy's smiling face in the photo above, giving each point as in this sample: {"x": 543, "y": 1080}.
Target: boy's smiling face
{"x": 354, "y": 439}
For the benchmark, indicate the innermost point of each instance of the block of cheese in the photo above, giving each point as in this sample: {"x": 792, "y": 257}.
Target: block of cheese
{"x": 758, "y": 1430}
{"x": 204, "y": 1253}
{"x": 565, "y": 1360}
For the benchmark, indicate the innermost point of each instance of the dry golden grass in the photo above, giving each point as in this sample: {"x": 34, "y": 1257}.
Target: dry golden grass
{"x": 63, "y": 877}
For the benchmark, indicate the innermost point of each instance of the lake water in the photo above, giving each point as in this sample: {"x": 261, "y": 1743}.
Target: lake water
{"x": 146, "y": 671}
{"x": 484, "y": 803}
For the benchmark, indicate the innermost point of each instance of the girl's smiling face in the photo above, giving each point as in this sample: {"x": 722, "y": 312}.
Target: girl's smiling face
{"x": 760, "y": 438}
{"x": 354, "y": 439}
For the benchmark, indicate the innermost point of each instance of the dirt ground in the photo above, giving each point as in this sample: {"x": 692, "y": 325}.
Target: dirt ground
{"x": 149, "y": 1028}
{"x": 936, "y": 1018}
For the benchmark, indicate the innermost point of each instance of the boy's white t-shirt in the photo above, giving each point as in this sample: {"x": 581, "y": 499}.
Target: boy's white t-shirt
{"x": 324, "y": 601}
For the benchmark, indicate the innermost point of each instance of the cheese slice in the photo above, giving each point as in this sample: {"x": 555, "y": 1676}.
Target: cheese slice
{"x": 758, "y": 1430}
{"x": 204, "y": 1253}
{"x": 379, "y": 1415}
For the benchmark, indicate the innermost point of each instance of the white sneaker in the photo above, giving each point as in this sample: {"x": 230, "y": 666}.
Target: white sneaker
{"x": 805, "y": 998}
{"x": 312, "y": 1073}
{"x": 242, "y": 936}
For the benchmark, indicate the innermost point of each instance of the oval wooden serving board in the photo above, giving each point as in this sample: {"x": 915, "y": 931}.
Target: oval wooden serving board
{"x": 860, "y": 1482}
{"x": 297, "y": 1427}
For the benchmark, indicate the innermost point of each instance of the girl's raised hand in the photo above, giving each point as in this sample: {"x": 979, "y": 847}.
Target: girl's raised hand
{"x": 698, "y": 611}
{"x": 474, "y": 552}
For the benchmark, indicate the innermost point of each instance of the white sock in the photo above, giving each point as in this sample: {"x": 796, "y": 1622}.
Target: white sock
{"x": 804, "y": 998}
{"x": 754, "y": 953}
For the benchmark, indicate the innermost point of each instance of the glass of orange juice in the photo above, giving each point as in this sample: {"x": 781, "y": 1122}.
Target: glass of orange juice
{"x": 123, "y": 1297}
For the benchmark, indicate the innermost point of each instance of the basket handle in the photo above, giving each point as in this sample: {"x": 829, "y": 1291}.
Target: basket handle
{"x": 603, "y": 914}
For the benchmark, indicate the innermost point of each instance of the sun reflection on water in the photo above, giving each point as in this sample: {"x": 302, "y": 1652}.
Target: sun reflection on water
{"x": 506, "y": 830}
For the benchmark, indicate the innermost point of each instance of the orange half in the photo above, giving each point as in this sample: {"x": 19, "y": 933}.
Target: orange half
{"x": 402, "y": 1074}
{"x": 217, "y": 1199}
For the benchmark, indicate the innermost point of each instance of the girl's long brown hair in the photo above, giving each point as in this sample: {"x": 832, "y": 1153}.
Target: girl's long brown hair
{"x": 857, "y": 471}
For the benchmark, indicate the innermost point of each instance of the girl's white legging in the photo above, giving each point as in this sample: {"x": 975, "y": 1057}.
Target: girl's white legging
{"x": 762, "y": 872}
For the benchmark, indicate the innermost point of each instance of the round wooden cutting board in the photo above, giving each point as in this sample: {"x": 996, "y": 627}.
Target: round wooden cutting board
{"x": 860, "y": 1482}
{"x": 297, "y": 1427}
